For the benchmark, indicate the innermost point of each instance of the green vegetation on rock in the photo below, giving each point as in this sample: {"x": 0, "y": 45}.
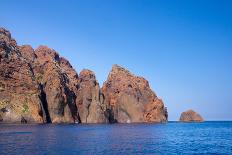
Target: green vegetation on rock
{"x": 39, "y": 78}
{"x": 25, "y": 108}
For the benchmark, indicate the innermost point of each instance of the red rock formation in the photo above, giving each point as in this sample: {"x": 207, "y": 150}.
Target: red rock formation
{"x": 190, "y": 116}
{"x": 55, "y": 82}
{"x": 40, "y": 86}
{"x": 19, "y": 92}
{"x": 36, "y": 86}
{"x": 28, "y": 53}
{"x": 130, "y": 99}
{"x": 90, "y": 100}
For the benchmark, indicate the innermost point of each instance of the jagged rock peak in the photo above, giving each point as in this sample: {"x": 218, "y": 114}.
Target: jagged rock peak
{"x": 124, "y": 78}
{"x": 46, "y": 54}
{"x": 65, "y": 62}
{"x": 7, "y": 43}
{"x": 86, "y": 75}
{"x": 5, "y": 36}
{"x": 118, "y": 69}
{"x": 4, "y": 32}
{"x": 28, "y": 53}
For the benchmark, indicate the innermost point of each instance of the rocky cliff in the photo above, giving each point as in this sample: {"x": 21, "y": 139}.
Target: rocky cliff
{"x": 39, "y": 86}
{"x": 190, "y": 116}
{"x": 19, "y": 91}
{"x": 90, "y": 99}
{"x": 130, "y": 99}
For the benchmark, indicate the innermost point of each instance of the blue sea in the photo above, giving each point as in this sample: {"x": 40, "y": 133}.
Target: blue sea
{"x": 169, "y": 138}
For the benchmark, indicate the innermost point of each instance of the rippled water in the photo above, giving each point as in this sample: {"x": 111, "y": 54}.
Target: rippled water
{"x": 170, "y": 138}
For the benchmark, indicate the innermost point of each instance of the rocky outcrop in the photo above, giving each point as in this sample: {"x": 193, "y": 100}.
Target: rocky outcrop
{"x": 90, "y": 100}
{"x": 39, "y": 86}
{"x": 55, "y": 83}
{"x": 190, "y": 116}
{"x": 129, "y": 98}
{"x": 19, "y": 92}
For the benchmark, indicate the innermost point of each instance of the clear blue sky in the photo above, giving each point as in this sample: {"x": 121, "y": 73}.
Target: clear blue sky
{"x": 183, "y": 48}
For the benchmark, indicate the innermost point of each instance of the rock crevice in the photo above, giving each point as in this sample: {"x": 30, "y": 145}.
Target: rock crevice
{"x": 44, "y": 105}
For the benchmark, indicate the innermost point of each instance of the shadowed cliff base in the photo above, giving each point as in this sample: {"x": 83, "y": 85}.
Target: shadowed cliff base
{"x": 44, "y": 105}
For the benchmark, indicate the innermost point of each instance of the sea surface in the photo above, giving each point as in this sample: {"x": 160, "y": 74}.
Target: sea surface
{"x": 169, "y": 138}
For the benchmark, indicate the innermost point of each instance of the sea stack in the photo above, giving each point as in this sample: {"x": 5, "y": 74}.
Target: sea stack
{"x": 190, "y": 116}
{"x": 129, "y": 98}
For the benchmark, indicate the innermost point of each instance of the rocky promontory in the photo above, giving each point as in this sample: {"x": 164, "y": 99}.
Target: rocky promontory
{"x": 129, "y": 98}
{"x": 40, "y": 86}
{"x": 190, "y": 116}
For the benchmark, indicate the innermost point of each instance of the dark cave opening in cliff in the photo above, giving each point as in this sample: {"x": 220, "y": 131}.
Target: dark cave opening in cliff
{"x": 43, "y": 98}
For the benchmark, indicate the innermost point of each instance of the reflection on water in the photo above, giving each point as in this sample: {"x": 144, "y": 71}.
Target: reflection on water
{"x": 171, "y": 138}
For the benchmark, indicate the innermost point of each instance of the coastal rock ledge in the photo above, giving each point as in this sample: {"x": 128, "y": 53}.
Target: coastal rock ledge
{"x": 39, "y": 86}
{"x": 190, "y": 116}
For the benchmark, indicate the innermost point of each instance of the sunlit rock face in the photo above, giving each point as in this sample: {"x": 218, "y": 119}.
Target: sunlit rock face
{"x": 39, "y": 86}
{"x": 90, "y": 100}
{"x": 128, "y": 98}
{"x": 190, "y": 116}
{"x": 19, "y": 91}
{"x": 36, "y": 85}
{"x": 53, "y": 76}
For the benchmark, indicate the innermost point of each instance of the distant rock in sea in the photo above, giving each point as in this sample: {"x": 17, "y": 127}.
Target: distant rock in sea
{"x": 39, "y": 86}
{"x": 190, "y": 116}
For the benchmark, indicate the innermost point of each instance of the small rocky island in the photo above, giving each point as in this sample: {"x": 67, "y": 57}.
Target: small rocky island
{"x": 39, "y": 86}
{"x": 190, "y": 116}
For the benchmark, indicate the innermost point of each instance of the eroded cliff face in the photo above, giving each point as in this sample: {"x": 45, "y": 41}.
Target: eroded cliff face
{"x": 129, "y": 98}
{"x": 54, "y": 81}
{"x": 190, "y": 116}
{"x": 36, "y": 85}
{"x": 90, "y": 100}
{"x": 56, "y": 88}
{"x": 40, "y": 86}
{"x": 19, "y": 92}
